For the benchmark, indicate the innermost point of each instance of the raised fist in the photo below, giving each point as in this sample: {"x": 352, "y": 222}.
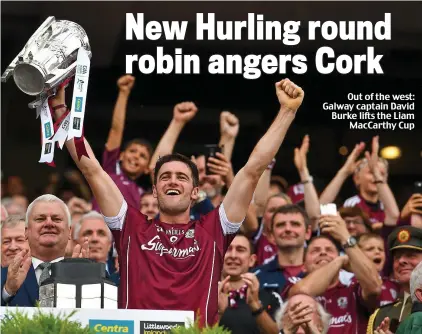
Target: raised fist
{"x": 184, "y": 112}
{"x": 289, "y": 95}
{"x": 125, "y": 83}
{"x": 229, "y": 124}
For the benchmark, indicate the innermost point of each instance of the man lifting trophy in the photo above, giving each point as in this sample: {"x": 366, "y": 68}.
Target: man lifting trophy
{"x": 57, "y": 51}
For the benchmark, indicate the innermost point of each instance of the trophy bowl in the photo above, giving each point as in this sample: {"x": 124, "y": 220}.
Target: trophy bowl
{"x": 29, "y": 78}
{"x": 48, "y": 58}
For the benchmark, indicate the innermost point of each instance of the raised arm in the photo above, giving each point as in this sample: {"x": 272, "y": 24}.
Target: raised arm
{"x": 331, "y": 191}
{"x": 318, "y": 281}
{"x": 114, "y": 140}
{"x": 240, "y": 193}
{"x": 310, "y": 193}
{"x": 229, "y": 129}
{"x": 105, "y": 191}
{"x": 262, "y": 191}
{"x": 182, "y": 114}
{"x": 223, "y": 167}
{"x": 386, "y": 196}
{"x": 412, "y": 211}
{"x": 361, "y": 265}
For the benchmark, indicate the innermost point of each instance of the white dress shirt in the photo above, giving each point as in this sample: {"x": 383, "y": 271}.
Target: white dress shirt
{"x": 36, "y": 262}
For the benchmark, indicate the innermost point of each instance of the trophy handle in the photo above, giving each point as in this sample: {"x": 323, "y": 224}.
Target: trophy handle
{"x": 41, "y": 29}
{"x": 38, "y": 102}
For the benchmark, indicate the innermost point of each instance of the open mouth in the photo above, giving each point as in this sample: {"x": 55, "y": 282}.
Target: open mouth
{"x": 132, "y": 164}
{"x": 377, "y": 260}
{"x": 172, "y": 192}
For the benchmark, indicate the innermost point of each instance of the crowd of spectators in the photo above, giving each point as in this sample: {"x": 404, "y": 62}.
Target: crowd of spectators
{"x": 291, "y": 268}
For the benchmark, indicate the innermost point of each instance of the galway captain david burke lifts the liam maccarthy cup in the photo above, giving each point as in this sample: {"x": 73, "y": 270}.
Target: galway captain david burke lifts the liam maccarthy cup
{"x": 174, "y": 263}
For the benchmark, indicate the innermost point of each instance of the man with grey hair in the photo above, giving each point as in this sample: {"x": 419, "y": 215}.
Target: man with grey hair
{"x": 47, "y": 231}
{"x": 13, "y": 238}
{"x": 416, "y": 284}
{"x": 93, "y": 226}
{"x": 302, "y": 314}
{"x": 14, "y": 207}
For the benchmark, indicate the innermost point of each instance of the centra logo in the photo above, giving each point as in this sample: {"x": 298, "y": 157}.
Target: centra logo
{"x": 112, "y": 326}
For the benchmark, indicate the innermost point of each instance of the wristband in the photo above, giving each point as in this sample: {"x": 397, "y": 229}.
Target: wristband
{"x": 258, "y": 311}
{"x": 309, "y": 180}
{"x": 59, "y": 107}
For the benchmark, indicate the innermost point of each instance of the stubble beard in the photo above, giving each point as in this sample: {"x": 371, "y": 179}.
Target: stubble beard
{"x": 172, "y": 210}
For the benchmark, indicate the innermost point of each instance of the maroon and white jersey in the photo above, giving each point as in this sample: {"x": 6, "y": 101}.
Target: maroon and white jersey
{"x": 296, "y": 193}
{"x": 171, "y": 266}
{"x": 129, "y": 189}
{"x": 346, "y": 306}
{"x": 375, "y": 211}
{"x": 347, "y": 309}
{"x": 264, "y": 249}
{"x": 389, "y": 293}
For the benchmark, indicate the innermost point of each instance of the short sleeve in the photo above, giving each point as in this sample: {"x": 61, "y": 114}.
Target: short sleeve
{"x": 116, "y": 222}
{"x": 221, "y": 230}
{"x": 116, "y": 225}
{"x": 227, "y": 226}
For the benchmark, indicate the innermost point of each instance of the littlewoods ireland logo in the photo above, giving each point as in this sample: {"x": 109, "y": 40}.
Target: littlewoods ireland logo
{"x": 159, "y": 327}
{"x": 112, "y": 326}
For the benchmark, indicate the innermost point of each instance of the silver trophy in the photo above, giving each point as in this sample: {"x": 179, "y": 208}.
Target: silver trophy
{"x": 48, "y": 58}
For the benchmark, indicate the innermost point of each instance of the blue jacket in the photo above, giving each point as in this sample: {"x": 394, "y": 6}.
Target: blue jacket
{"x": 271, "y": 276}
{"x": 27, "y": 295}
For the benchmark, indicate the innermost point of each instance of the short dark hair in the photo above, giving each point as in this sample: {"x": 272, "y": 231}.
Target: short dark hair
{"x": 291, "y": 208}
{"x": 146, "y": 193}
{"x": 356, "y": 211}
{"x": 142, "y": 142}
{"x": 323, "y": 236}
{"x": 251, "y": 245}
{"x": 177, "y": 157}
{"x": 280, "y": 182}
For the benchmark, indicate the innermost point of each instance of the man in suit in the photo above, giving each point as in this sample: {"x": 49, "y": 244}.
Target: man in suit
{"x": 47, "y": 231}
{"x": 12, "y": 238}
